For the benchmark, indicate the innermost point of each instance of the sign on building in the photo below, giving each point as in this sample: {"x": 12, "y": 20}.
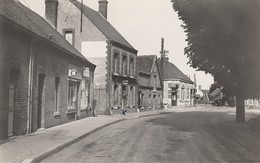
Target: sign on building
{"x": 73, "y": 72}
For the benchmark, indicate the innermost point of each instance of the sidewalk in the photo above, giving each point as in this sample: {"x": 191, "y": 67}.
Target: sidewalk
{"x": 36, "y": 146}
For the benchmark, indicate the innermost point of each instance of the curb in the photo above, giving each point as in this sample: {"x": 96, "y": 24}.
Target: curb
{"x": 56, "y": 149}
{"x": 59, "y": 148}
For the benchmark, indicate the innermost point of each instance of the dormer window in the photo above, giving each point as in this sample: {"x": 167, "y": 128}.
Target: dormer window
{"x": 69, "y": 35}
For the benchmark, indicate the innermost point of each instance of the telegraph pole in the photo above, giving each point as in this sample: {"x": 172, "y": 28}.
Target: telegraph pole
{"x": 162, "y": 57}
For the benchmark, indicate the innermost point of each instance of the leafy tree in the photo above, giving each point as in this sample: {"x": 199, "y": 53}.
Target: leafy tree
{"x": 224, "y": 40}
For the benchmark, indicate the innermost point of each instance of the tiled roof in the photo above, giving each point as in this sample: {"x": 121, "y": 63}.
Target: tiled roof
{"x": 145, "y": 63}
{"x": 103, "y": 25}
{"x": 171, "y": 72}
{"x": 34, "y": 24}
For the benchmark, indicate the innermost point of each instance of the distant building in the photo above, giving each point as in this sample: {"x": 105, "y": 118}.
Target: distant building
{"x": 252, "y": 103}
{"x": 177, "y": 90}
{"x": 44, "y": 81}
{"x": 115, "y": 79}
{"x": 150, "y": 84}
{"x": 203, "y": 95}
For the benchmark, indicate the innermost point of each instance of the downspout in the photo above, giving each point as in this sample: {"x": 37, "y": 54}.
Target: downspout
{"x": 109, "y": 72}
{"x": 30, "y": 85}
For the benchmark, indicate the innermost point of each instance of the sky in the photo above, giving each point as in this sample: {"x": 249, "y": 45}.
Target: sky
{"x": 143, "y": 23}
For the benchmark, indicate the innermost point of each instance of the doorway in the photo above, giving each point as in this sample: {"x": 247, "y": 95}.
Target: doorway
{"x": 11, "y": 109}
{"x": 174, "y": 98}
{"x": 41, "y": 80}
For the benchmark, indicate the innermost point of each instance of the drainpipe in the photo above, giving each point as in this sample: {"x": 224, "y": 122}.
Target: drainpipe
{"x": 30, "y": 87}
{"x": 109, "y": 76}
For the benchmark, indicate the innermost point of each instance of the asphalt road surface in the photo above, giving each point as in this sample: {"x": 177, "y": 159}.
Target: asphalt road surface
{"x": 193, "y": 136}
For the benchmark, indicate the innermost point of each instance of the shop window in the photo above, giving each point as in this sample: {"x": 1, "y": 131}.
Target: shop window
{"x": 72, "y": 95}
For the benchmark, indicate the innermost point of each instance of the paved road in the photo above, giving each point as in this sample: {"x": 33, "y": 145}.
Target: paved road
{"x": 193, "y": 136}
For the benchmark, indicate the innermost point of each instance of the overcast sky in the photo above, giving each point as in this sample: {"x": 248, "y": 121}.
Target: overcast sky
{"x": 143, "y": 23}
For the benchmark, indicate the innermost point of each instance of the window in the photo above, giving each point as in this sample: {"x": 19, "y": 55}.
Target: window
{"x": 57, "y": 95}
{"x": 188, "y": 93}
{"x": 154, "y": 81}
{"x": 116, "y": 63}
{"x": 124, "y": 65}
{"x": 69, "y": 35}
{"x": 131, "y": 67}
{"x": 72, "y": 95}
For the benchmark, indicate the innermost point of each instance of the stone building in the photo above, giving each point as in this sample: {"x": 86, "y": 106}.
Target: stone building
{"x": 115, "y": 78}
{"x": 178, "y": 88}
{"x": 150, "y": 84}
{"x": 44, "y": 81}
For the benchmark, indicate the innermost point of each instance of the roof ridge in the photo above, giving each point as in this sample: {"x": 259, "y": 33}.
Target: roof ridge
{"x": 111, "y": 34}
{"x": 32, "y": 23}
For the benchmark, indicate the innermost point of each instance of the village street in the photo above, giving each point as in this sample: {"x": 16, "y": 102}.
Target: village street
{"x": 202, "y": 134}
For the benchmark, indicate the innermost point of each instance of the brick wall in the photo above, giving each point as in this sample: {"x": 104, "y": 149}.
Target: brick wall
{"x": 14, "y": 68}
{"x": 53, "y": 64}
{"x": 3, "y": 98}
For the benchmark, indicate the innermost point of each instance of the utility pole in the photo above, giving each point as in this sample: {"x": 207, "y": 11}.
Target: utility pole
{"x": 163, "y": 55}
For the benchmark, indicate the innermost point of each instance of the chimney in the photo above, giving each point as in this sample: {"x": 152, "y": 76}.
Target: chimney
{"x": 103, "y": 8}
{"x": 166, "y": 59}
{"x": 51, "y": 11}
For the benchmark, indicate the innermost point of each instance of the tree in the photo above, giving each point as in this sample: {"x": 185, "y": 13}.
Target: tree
{"x": 224, "y": 40}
